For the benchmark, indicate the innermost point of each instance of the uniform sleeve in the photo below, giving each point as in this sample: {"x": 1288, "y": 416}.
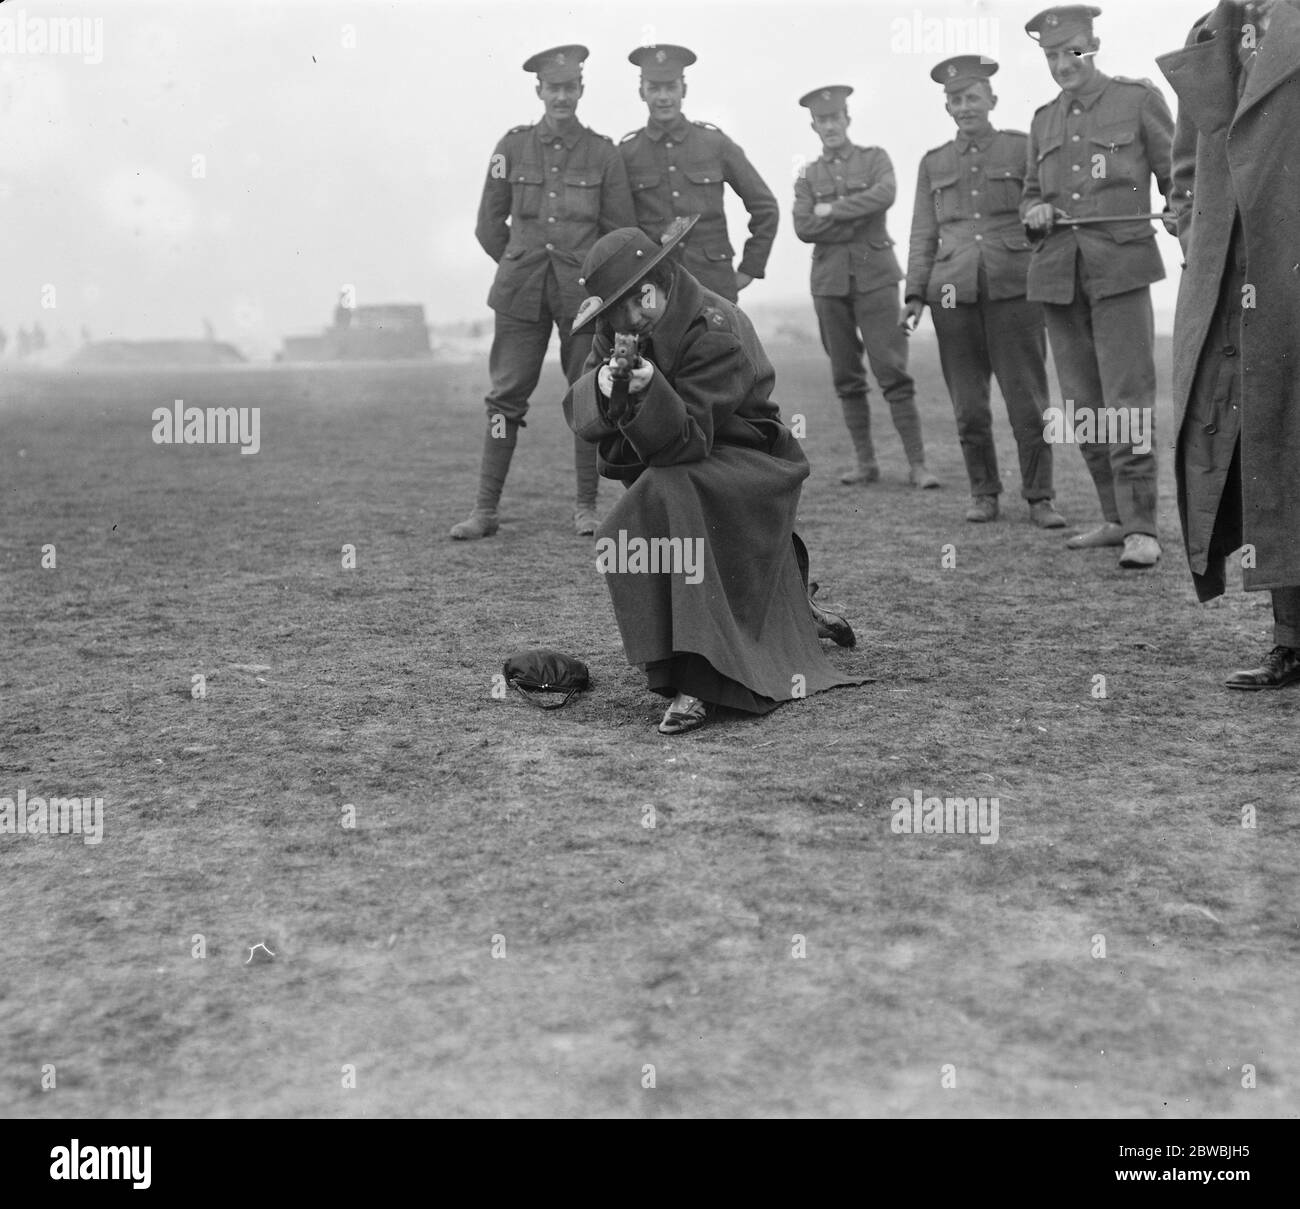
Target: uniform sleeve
{"x": 764, "y": 210}
{"x": 806, "y": 226}
{"x": 1158, "y": 135}
{"x": 1032, "y": 193}
{"x": 873, "y": 200}
{"x": 584, "y": 405}
{"x": 616, "y": 208}
{"x": 924, "y": 241}
{"x": 492, "y": 229}
{"x": 675, "y": 423}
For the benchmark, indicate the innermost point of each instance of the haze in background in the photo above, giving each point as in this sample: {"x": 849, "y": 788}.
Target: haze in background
{"x": 244, "y": 162}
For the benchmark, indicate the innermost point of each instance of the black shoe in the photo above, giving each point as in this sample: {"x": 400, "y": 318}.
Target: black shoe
{"x": 1281, "y": 667}
{"x": 830, "y": 625}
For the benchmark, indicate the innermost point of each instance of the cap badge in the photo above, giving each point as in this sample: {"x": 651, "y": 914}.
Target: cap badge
{"x": 952, "y": 71}
{"x": 1052, "y": 19}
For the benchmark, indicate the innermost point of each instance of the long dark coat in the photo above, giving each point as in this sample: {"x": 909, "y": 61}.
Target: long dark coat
{"x": 705, "y": 455}
{"x": 1240, "y": 157}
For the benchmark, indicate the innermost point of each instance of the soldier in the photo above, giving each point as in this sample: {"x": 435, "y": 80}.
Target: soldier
{"x": 1092, "y": 153}
{"x": 677, "y": 167}
{"x": 552, "y": 190}
{"x": 968, "y": 259}
{"x": 840, "y": 201}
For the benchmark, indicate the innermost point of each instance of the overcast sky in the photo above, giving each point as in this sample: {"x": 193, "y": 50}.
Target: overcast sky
{"x": 327, "y": 163}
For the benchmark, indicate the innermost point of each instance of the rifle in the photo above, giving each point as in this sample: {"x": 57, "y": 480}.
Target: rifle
{"x": 1064, "y": 220}
{"x": 623, "y": 359}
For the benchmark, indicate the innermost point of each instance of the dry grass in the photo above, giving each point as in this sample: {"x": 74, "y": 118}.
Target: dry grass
{"x": 476, "y": 817}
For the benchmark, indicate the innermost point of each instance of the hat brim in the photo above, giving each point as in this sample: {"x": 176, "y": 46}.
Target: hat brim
{"x": 676, "y": 233}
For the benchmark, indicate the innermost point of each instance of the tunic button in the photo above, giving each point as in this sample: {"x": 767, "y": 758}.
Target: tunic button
{"x": 977, "y": 214}
{"x": 551, "y": 193}
{"x": 1229, "y": 350}
{"x": 550, "y": 247}
{"x": 555, "y": 169}
{"x": 1074, "y": 138}
{"x": 676, "y": 193}
{"x": 1075, "y": 196}
{"x": 978, "y": 236}
{"x": 1074, "y": 167}
{"x": 1211, "y": 429}
{"x": 672, "y": 167}
{"x": 668, "y": 144}
{"x": 551, "y": 219}
{"x": 974, "y": 193}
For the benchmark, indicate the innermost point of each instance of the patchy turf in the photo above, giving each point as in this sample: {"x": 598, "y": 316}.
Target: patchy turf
{"x": 624, "y": 945}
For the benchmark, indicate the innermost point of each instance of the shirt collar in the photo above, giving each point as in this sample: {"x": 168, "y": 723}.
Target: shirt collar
{"x": 1086, "y": 99}
{"x": 676, "y": 129}
{"x": 569, "y": 138}
{"x": 835, "y": 157}
{"x": 965, "y": 142}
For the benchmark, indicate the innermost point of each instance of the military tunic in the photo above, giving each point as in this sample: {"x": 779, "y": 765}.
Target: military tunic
{"x": 547, "y": 198}
{"x": 680, "y": 169}
{"x": 855, "y": 277}
{"x": 1094, "y": 153}
{"x": 968, "y": 258}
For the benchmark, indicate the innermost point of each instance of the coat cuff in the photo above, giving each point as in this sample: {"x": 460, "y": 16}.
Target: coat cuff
{"x": 584, "y": 409}
{"x": 658, "y": 420}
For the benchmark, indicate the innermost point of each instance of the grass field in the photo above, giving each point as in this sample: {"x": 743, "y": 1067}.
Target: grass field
{"x": 619, "y": 946}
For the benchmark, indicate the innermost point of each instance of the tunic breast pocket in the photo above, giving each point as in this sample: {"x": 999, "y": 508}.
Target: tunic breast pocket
{"x": 1114, "y": 155}
{"x": 1005, "y": 186}
{"x": 702, "y": 192}
{"x": 527, "y": 185}
{"x": 943, "y": 189}
{"x": 582, "y": 194}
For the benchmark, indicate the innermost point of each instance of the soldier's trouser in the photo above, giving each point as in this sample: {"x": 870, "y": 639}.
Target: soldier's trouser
{"x": 1286, "y": 617}
{"x": 514, "y": 366}
{"x": 1104, "y": 358}
{"x": 854, "y": 322}
{"x": 1006, "y": 338}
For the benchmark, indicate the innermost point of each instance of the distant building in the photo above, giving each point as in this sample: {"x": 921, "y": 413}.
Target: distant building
{"x": 155, "y": 352}
{"x": 390, "y": 332}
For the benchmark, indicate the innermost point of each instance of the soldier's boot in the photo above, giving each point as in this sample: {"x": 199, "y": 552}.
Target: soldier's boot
{"x": 497, "y": 453}
{"x": 908, "y": 422}
{"x": 585, "y": 471}
{"x": 857, "y": 419}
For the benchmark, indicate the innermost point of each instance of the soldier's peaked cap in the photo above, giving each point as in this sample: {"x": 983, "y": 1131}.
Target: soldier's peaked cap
{"x": 558, "y": 65}
{"x": 1053, "y": 26}
{"x": 964, "y": 70}
{"x": 619, "y": 260}
{"x": 661, "y": 63}
{"x": 824, "y": 101}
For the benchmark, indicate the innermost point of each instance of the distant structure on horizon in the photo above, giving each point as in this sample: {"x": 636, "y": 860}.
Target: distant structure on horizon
{"x": 107, "y": 353}
{"x": 390, "y": 332}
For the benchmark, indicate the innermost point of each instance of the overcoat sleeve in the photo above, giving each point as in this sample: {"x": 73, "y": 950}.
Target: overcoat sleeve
{"x": 675, "y": 422}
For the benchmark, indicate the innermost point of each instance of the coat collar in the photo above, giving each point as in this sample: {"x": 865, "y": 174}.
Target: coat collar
{"x": 569, "y": 138}
{"x": 981, "y": 144}
{"x": 1085, "y": 99}
{"x": 1278, "y": 58}
{"x": 676, "y": 129}
{"x": 1204, "y": 72}
{"x": 684, "y": 301}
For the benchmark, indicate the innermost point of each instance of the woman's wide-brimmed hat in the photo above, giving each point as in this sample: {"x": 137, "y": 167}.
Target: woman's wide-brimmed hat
{"x": 619, "y": 260}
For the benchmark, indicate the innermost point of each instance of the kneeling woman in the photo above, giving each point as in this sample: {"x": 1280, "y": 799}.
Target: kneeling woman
{"x": 710, "y": 466}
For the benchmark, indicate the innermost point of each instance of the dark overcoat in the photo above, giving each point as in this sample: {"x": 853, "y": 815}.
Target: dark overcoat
{"x": 1241, "y": 157}
{"x": 706, "y": 458}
